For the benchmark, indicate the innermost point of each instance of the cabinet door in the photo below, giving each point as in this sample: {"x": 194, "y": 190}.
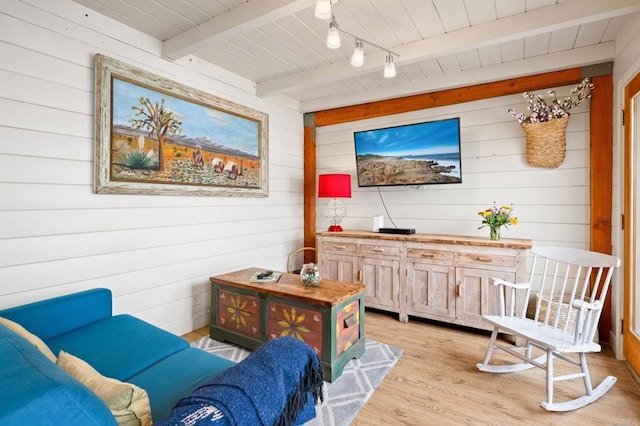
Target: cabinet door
{"x": 431, "y": 290}
{"x": 381, "y": 278}
{"x": 476, "y": 295}
{"x": 339, "y": 267}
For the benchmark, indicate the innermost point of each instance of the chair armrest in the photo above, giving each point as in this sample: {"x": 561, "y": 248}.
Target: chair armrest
{"x": 581, "y": 304}
{"x": 584, "y": 326}
{"x": 507, "y": 302}
{"x": 517, "y": 286}
{"x": 58, "y": 315}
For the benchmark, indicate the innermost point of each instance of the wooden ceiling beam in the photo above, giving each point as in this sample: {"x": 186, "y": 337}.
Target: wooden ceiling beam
{"x": 240, "y": 19}
{"x": 447, "y": 97}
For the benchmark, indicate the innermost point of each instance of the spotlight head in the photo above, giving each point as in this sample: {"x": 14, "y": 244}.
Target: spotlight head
{"x": 323, "y": 9}
{"x": 389, "y": 67}
{"x": 357, "y": 59}
{"x": 333, "y": 37}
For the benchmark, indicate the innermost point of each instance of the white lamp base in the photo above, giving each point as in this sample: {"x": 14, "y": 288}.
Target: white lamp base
{"x": 335, "y": 212}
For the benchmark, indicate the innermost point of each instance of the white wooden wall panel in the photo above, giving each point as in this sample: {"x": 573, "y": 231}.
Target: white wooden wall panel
{"x": 71, "y": 26}
{"x": 155, "y": 252}
{"x": 40, "y": 144}
{"x": 42, "y": 67}
{"x": 44, "y": 93}
{"x": 144, "y": 23}
{"x": 552, "y": 204}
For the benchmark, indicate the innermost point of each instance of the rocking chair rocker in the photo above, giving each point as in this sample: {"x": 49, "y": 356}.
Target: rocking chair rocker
{"x": 570, "y": 287}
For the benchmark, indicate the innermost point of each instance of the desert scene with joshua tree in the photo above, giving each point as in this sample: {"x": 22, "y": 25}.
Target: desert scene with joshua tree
{"x": 156, "y": 138}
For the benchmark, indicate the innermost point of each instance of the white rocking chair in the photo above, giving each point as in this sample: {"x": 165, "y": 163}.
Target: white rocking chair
{"x": 570, "y": 287}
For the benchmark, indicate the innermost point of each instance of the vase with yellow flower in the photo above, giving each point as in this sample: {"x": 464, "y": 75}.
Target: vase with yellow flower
{"x": 496, "y": 217}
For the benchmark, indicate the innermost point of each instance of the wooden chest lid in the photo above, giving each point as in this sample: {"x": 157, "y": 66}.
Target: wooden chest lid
{"x": 289, "y": 286}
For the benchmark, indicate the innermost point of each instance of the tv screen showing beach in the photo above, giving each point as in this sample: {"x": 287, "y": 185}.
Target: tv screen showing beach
{"x": 413, "y": 154}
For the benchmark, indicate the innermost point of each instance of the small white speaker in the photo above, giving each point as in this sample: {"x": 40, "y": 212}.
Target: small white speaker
{"x": 378, "y": 222}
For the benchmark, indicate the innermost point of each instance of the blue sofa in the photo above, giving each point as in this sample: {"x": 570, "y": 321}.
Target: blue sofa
{"x": 35, "y": 391}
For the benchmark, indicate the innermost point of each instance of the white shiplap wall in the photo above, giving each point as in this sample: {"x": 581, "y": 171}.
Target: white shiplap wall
{"x": 155, "y": 252}
{"x": 552, "y": 205}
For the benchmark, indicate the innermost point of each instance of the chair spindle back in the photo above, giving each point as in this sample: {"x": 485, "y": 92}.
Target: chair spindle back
{"x": 564, "y": 280}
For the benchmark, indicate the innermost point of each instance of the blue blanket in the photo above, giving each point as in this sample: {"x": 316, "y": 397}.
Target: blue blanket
{"x": 277, "y": 384}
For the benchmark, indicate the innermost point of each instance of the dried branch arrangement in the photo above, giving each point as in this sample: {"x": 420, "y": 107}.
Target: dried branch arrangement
{"x": 543, "y": 111}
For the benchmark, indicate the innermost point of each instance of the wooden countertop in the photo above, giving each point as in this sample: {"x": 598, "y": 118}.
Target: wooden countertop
{"x": 518, "y": 243}
{"x": 289, "y": 286}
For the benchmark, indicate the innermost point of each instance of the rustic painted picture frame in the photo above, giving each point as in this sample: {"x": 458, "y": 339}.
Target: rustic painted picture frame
{"x": 157, "y": 136}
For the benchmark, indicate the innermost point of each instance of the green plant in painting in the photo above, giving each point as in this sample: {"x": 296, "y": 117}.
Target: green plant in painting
{"x": 137, "y": 160}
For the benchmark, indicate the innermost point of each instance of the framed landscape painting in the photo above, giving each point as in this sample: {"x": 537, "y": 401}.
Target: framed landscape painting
{"x": 157, "y": 136}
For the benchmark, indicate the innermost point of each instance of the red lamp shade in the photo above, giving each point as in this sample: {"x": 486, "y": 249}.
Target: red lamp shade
{"x": 334, "y": 186}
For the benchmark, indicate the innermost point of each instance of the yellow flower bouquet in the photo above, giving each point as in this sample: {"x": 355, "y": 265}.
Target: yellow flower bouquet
{"x": 497, "y": 216}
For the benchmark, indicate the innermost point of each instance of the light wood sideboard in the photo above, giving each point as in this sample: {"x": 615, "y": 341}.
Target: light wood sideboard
{"x": 441, "y": 277}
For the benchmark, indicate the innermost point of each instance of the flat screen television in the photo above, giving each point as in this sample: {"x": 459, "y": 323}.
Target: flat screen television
{"x": 413, "y": 154}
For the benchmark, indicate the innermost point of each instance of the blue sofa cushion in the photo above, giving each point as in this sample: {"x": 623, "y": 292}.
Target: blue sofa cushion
{"x": 120, "y": 346}
{"x": 33, "y": 387}
{"x": 179, "y": 375}
{"x": 58, "y": 315}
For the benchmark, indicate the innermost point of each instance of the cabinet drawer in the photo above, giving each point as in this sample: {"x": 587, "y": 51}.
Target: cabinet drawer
{"x": 347, "y": 327}
{"x": 340, "y": 247}
{"x": 489, "y": 259}
{"x": 428, "y": 254}
{"x": 392, "y": 250}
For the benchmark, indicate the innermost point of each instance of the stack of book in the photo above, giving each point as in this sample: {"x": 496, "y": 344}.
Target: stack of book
{"x": 265, "y": 277}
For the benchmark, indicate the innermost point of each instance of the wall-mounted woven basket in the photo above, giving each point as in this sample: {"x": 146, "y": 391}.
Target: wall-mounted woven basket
{"x": 546, "y": 142}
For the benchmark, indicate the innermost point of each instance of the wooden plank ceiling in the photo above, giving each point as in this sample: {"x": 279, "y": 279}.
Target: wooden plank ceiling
{"x": 280, "y": 45}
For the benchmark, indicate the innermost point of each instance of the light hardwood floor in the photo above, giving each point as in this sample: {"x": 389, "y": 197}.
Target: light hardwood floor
{"x": 435, "y": 382}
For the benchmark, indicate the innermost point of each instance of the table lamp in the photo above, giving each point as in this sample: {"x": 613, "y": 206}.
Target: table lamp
{"x": 334, "y": 186}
